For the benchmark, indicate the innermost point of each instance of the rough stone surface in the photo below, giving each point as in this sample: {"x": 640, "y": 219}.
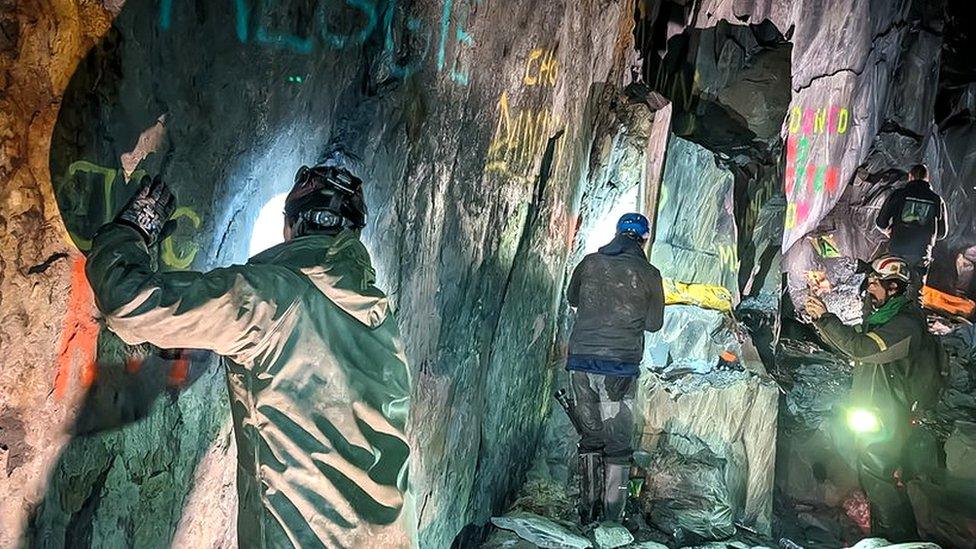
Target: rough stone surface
{"x": 960, "y": 451}
{"x": 490, "y": 150}
{"x": 695, "y": 239}
{"x": 734, "y": 415}
{"x": 611, "y": 536}
{"x": 541, "y": 531}
{"x": 475, "y": 138}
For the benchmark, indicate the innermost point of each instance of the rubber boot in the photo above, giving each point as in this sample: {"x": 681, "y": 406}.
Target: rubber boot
{"x": 615, "y": 479}
{"x": 591, "y": 486}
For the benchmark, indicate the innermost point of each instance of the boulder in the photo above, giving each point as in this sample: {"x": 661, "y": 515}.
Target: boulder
{"x": 731, "y": 417}
{"x": 541, "y": 531}
{"x": 611, "y": 536}
{"x": 960, "y": 451}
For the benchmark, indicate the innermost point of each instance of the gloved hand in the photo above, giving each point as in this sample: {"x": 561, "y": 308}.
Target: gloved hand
{"x": 149, "y": 210}
{"x": 815, "y": 307}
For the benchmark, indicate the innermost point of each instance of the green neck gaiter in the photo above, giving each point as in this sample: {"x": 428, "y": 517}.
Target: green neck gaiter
{"x": 887, "y": 311}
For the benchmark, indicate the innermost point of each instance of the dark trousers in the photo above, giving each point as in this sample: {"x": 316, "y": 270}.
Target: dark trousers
{"x": 891, "y": 511}
{"x": 605, "y": 407}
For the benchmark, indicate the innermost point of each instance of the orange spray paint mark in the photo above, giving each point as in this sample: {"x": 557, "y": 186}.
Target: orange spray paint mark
{"x": 178, "y": 371}
{"x": 79, "y": 335}
{"x": 133, "y": 365}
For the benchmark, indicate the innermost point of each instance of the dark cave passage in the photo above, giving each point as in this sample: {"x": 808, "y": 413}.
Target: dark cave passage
{"x": 498, "y": 144}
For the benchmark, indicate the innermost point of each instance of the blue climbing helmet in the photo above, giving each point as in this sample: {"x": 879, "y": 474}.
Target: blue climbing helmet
{"x": 634, "y": 225}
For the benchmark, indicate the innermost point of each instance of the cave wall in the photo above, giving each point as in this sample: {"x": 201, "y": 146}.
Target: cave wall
{"x": 473, "y": 136}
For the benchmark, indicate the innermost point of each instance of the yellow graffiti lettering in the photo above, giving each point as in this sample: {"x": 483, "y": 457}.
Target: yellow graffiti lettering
{"x": 796, "y": 119}
{"x": 541, "y": 68}
{"x": 500, "y": 139}
{"x": 820, "y": 121}
{"x": 790, "y": 220}
{"x": 842, "y": 119}
{"x": 517, "y": 143}
{"x": 549, "y": 68}
{"x": 188, "y": 251}
{"x": 530, "y": 79}
{"x": 728, "y": 256}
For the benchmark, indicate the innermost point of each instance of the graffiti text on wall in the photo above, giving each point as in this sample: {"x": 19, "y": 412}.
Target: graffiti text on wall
{"x": 79, "y": 202}
{"x": 260, "y": 21}
{"x": 809, "y": 173}
{"x": 522, "y": 133}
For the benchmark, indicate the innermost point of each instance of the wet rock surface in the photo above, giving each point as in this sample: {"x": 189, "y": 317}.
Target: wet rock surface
{"x": 491, "y": 150}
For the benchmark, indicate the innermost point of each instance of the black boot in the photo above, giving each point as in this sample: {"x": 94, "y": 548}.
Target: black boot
{"x": 591, "y": 487}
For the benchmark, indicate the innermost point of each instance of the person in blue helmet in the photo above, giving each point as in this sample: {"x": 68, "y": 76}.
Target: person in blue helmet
{"x": 618, "y": 295}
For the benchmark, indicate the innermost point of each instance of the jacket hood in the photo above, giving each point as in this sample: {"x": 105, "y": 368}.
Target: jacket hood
{"x": 339, "y": 267}
{"x": 623, "y": 244}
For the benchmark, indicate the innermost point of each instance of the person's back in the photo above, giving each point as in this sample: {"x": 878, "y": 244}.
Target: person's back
{"x": 330, "y": 392}
{"x": 617, "y": 295}
{"x": 318, "y": 379}
{"x": 613, "y": 291}
{"x": 915, "y": 217}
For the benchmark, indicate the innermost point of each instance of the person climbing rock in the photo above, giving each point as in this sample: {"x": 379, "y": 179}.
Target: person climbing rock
{"x": 618, "y": 295}
{"x": 914, "y": 217}
{"x": 897, "y": 372}
{"x": 318, "y": 381}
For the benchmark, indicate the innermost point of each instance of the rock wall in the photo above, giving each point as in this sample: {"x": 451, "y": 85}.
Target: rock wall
{"x": 473, "y": 136}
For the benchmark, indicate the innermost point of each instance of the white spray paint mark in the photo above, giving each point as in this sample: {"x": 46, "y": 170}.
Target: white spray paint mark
{"x": 149, "y": 142}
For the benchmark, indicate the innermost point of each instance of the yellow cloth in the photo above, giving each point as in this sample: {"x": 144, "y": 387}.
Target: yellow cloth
{"x": 702, "y": 295}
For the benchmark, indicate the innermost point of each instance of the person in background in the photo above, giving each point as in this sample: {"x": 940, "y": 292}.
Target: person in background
{"x": 914, "y": 217}
{"x": 897, "y": 371}
{"x": 319, "y": 384}
{"x": 618, "y": 295}
{"x": 965, "y": 268}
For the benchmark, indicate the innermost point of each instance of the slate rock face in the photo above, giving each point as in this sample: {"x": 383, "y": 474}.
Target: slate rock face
{"x": 735, "y": 415}
{"x": 696, "y": 234}
{"x": 490, "y": 149}
{"x": 473, "y": 136}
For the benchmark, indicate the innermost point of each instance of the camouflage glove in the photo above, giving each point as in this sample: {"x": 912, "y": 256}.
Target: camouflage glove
{"x": 149, "y": 210}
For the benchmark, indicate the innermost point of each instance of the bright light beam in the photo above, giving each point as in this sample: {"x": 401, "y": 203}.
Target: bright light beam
{"x": 860, "y": 420}
{"x": 268, "y": 226}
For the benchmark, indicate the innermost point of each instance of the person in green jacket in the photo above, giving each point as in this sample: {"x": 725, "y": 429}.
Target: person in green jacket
{"x": 897, "y": 370}
{"x": 319, "y": 384}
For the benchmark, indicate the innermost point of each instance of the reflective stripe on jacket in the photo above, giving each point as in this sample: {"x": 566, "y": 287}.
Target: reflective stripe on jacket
{"x": 896, "y": 363}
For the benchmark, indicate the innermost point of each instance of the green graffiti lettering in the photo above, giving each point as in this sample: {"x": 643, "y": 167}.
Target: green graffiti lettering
{"x": 108, "y": 178}
{"x": 188, "y": 251}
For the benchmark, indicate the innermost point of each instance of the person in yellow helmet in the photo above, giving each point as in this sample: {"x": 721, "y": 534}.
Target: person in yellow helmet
{"x": 897, "y": 371}
{"x": 319, "y": 384}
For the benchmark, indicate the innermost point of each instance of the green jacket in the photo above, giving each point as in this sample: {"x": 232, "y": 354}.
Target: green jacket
{"x": 318, "y": 380}
{"x": 896, "y": 363}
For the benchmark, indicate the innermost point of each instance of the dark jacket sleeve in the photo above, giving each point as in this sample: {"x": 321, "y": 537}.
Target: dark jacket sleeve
{"x": 218, "y": 310}
{"x": 879, "y": 345}
{"x": 572, "y": 292}
{"x": 887, "y": 211}
{"x": 655, "y": 312}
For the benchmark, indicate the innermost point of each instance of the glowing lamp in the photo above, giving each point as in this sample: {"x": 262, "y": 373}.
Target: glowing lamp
{"x": 860, "y": 420}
